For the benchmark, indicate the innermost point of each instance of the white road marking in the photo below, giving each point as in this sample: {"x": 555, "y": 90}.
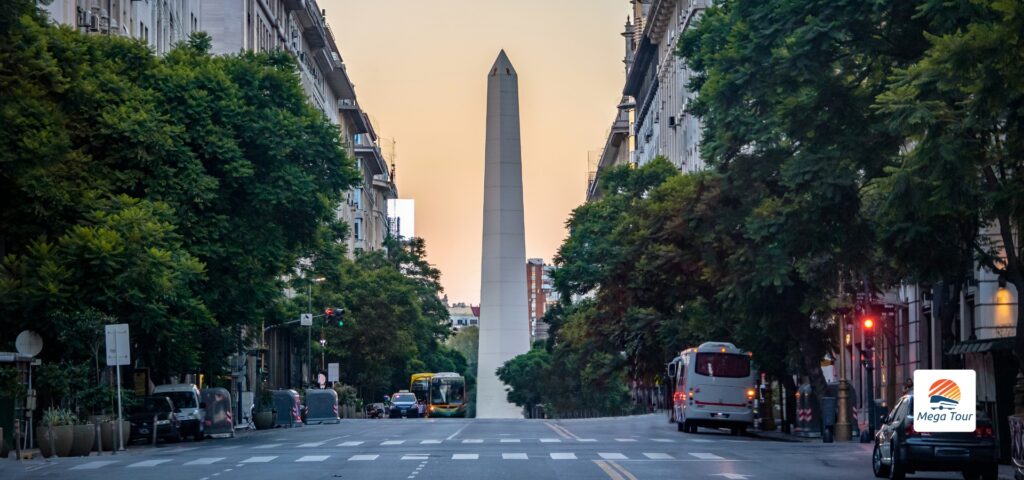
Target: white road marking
{"x": 663, "y": 440}
{"x": 457, "y": 432}
{"x": 659, "y": 456}
{"x": 514, "y": 456}
{"x": 701, "y": 440}
{"x": 466, "y": 456}
{"x": 473, "y": 440}
{"x": 350, "y": 444}
{"x": 586, "y": 439}
{"x": 393, "y": 442}
{"x": 147, "y": 463}
{"x": 625, "y": 439}
{"x": 430, "y": 442}
{"x": 550, "y": 440}
{"x": 707, "y": 456}
{"x": 228, "y": 448}
{"x": 732, "y": 476}
{"x": 363, "y": 458}
{"x": 94, "y": 465}
{"x": 414, "y": 457}
{"x": 313, "y": 458}
{"x": 318, "y": 444}
{"x": 259, "y": 459}
{"x": 563, "y": 456}
{"x": 613, "y": 456}
{"x": 172, "y": 451}
{"x": 510, "y": 440}
{"x": 269, "y": 445}
{"x": 205, "y": 461}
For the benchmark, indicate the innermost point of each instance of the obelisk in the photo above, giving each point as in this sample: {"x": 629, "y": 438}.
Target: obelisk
{"x": 503, "y": 314}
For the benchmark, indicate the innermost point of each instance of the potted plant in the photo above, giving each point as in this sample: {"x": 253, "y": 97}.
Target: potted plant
{"x": 84, "y": 439}
{"x": 56, "y": 432}
{"x": 264, "y": 416}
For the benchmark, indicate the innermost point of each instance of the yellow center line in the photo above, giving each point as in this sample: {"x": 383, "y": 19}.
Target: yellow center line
{"x": 608, "y": 470}
{"x": 559, "y": 432}
{"x": 622, "y": 469}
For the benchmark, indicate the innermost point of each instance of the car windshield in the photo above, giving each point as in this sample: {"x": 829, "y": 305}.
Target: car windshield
{"x": 181, "y": 399}
{"x": 722, "y": 365}
{"x": 403, "y": 398}
{"x": 153, "y": 405}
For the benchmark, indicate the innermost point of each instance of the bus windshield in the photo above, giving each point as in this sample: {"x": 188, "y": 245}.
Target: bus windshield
{"x": 447, "y": 391}
{"x": 727, "y": 365}
{"x": 420, "y": 387}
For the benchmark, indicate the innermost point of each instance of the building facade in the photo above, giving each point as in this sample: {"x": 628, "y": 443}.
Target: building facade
{"x": 463, "y": 315}
{"x": 402, "y": 217}
{"x": 540, "y": 296}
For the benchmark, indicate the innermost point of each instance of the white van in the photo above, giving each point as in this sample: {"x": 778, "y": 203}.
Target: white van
{"x": 714, "y": 387}
{"x": 188, "y": 406}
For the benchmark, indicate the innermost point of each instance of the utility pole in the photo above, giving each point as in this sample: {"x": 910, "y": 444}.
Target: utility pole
{"x": 843, "y": 420}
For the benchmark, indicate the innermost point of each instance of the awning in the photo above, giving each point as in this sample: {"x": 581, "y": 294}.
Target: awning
{"x": 982, "y": 346}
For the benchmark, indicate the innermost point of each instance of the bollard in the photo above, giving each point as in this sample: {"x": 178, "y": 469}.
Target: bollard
{"x": 99, "y": 439}
{"x": 17, "y": 438}
{"x": 154, "y": 430}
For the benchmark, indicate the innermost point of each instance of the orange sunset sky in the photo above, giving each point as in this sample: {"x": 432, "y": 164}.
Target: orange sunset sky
{"x": 420, "y": 70}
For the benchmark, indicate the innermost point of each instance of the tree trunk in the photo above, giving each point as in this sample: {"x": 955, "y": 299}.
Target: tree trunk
{"x": 789, "y": 389}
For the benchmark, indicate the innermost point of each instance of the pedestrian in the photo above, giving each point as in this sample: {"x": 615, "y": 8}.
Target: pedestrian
{"x": 421, "y": 407}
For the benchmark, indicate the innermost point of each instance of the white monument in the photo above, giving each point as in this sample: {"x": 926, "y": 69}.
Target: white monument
{"x": 504, "y": 331}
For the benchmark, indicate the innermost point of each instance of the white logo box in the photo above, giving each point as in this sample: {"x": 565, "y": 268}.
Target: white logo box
{"x": 945, "y": 400}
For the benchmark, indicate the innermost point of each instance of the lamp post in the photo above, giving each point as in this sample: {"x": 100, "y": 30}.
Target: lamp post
{"x": 323, "y": 348}
{"x": 843, "y": 421}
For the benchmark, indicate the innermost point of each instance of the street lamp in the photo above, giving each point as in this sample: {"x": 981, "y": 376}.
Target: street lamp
{"x": 323, "y": 348}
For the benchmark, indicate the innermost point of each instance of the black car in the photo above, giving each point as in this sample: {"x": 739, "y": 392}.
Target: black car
{"x": 899, "y": 449}
{"x": 403, "y": 404}
{"x": 168, "y": 427}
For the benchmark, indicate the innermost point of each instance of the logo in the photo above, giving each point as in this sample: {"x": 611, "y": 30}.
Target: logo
{"x": 944, "y": 401}
{"x": 944, "y": 395}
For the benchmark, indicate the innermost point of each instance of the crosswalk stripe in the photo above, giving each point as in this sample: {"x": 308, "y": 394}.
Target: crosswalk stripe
{"x": 550, "y": 440}
{"x": 563, "y": 456}
{"x": 613, "y": 456}
{"x": 430, "y": 442}
{"x": 362, "y": 458}
{"x": 315, "y": 444}
{"x": 659, "y": 456}
{"x": 514, "y": 456}
{"x": 663, "y": 440}
{"x": 205, "y": 461}
{"x": 148, "y": 463}
{"x": 259, "y": 459}
{"x": 473, "y": 440}
{"x": 313, "y": 458}
{"x": 701, "y": 440}
{"x": 510, "y": 440}
{"x": 586, "y": 439}
{"x": 94, "y": 465}
{"x": 707, "y": 456}
{"x": 393, "y": 442}
{"x": 269, "y": 445}
{"x": 466, "y": 456}
{"x": 415, "y": 457}
{"x": 625, "y": 439}
{"x": 350, "y": 444}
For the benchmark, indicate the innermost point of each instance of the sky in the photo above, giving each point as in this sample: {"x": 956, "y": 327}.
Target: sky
{"x": 420, "y": 72}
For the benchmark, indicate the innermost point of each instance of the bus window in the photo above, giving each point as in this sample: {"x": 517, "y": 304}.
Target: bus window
{"x": 722, "y": 365}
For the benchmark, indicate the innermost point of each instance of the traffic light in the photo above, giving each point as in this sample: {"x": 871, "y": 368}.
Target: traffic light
{"x": 868, "y": 322}
{"x": 335, "y": 314}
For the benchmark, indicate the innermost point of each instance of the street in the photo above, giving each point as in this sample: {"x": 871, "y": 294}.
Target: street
{"x": 626, "y": 448}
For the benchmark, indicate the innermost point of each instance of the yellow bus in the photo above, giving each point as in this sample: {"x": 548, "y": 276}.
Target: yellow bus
{"x": 419, "y": 384}
{"x": 447, "y": 395}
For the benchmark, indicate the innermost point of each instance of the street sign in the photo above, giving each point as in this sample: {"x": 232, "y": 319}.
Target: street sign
{"x": 332, "y": 372}
{"x": 118, "y": 352}
{"x": 306, "y": 319}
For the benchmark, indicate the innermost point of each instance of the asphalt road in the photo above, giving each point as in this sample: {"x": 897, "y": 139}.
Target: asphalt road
{"x": 631, "y": 448}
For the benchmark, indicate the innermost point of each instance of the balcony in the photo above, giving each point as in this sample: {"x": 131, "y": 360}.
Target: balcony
{"x": 366, "y": 148}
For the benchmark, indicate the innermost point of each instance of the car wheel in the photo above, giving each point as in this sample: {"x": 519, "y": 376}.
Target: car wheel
{"x": 897, "y": 471}
{"x": 881, "y": 471}
{"x": 198, "y": 437}
{"x": 734, "y": 431}
{"x": 680, "y": 426}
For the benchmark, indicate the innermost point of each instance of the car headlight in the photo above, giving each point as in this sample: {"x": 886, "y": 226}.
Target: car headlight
{"x": 163, "y": 422}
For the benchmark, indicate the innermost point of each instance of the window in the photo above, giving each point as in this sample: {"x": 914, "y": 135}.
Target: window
{"x": 357, "y": 197}
{"x": 357, "y": 228}
{"x": 722, "y": 365}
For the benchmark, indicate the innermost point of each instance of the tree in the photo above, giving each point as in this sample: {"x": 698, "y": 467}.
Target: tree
{"x": 521, "y": 374}
{"x": 958, "y": 187}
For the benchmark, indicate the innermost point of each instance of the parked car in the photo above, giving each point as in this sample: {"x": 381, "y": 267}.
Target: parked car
{"x": 403, "y": 404}
{"x": 168, "y": 427}
{"x": 190, "y": 409}
{"x": 899, "y": 449}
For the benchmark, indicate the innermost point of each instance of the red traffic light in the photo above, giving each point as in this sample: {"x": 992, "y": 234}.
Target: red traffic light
{"x": 869, "y": 323}
{"x": 329, "y": 312}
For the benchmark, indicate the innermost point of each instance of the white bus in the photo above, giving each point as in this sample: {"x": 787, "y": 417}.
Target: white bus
{"x": 713, "y": 387}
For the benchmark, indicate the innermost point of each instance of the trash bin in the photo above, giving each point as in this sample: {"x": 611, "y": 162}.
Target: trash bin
{"x": 322, "y": 406}
{"x": 219, "y": 418}
{"x": 289, "y": 408}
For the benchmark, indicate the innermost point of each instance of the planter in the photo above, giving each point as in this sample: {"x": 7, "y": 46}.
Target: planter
{"x": 56, "y": 440}
{"x": 84, "y": 440}
{"x": 264, "y": 420}
{"x": 108, "y": 434}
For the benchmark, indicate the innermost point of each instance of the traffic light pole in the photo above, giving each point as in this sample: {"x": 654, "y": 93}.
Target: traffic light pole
{"x": 843, "y": 419}
{"x": 869, "y": 387}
